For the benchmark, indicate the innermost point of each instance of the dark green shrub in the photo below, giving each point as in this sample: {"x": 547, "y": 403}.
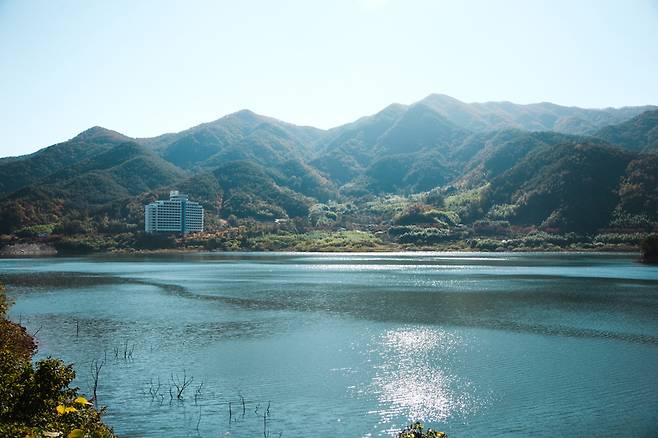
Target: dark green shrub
{"x": 35, "y": 230}
{"x": 155, "y": 241}
{"x": 423, "y": 214}
{"x": 37, "y": 399}
{"x": 416, "y": 430}
{"x": 84, "y": 244}
{"x": 649, "y": 248}
{"x": 425, "y": 236}
{"x": 71, "y": 227}
{"x": 491, "y": 228}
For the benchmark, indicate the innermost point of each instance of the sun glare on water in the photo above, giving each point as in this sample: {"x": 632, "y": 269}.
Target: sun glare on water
{"x": 415, "y": 378}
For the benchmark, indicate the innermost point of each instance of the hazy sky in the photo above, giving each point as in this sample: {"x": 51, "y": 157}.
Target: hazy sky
{"x": 148, "y": 67}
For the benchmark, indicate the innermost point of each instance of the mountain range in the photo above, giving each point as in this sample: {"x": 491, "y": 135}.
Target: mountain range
{"x": 557, "y": 167}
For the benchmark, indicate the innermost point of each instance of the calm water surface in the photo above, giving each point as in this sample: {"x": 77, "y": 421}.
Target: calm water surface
{"x": 354, "y": 345}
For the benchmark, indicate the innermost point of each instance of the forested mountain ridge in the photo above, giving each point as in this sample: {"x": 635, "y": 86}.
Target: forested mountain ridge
{"x": 544, "y": 116}
{"x": 237, "y": 136}
{"x": 569, "y": 186}
{"x": 25, "y": 170}
{"x": 533, "y": 165}
{"x": 117, "y": 171}
{"x": 639, "y": 133}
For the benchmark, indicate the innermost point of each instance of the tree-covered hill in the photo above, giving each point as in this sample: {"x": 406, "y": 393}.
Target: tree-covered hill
{"x": 543, "y": 116}
{"x": 247, "y": 190}
{"x": 485, "y": 156}
{"x": 497, "y": 162}
{"x": 238, "y": 136}
{"x": 638, "y": 191}
{"x": 637, "y": 134}
{"x": 118, "y": 172}
{"x": 453, "y": 135}
{"x": 569, "y": 187}
{"x": 19, "y": 172}
{"x": 346, "y": 151}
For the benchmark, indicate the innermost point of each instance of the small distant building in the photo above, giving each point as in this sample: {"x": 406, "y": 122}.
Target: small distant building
{"x": 177, "y": 215}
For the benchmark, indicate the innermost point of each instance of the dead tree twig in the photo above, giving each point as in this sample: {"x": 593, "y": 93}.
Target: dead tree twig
{"x": 197, "y": 393}
{"x": 95, "y": 368}
{"x": 181, "y": 385}
{"x": 154, "y": 389}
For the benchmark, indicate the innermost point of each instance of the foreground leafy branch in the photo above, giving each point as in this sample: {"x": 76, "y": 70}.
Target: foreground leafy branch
{"x": 415, "y": 430}
{"x": 37, "y": 400}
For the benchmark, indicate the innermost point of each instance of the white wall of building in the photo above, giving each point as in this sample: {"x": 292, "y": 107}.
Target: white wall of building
{"x": 176, "y": 215}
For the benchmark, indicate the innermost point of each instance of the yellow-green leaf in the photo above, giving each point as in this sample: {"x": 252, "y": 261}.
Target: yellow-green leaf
{"x": 81, "y": 401}
{"x": 61, "y": 409}
{"x": 76, "y": 433}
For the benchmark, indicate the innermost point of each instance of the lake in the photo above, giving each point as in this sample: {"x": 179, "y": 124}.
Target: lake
{"x": 353, "y": 345}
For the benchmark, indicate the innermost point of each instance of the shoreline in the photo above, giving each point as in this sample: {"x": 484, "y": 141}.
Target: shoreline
{"x": 372, "y": 250}
{"x": 315, "y": 241}
{"x": 360, "y": 242}
{"x": 196, "y": 251}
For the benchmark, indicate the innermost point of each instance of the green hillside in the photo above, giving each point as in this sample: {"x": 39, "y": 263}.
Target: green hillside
{"x": 498, "y": 166}
{"x": 238, "y": 136}
{"x": 19, "y": 172}
{"x": 249, "y": 191}
{"x": 542, "y": 116}
{"x": 637, "y": 134}
{"x": 485, "y": 156}
{"x": 82, "y": 188}
{"x": 569, "y": 187}
{"x": 638, "y": 191}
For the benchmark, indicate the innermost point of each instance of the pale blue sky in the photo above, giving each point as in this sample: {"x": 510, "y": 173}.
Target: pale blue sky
{"x": 149, "y": 67}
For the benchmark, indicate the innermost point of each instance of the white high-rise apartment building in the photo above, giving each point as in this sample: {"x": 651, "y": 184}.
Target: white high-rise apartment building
{"x": 177, "y": 215}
